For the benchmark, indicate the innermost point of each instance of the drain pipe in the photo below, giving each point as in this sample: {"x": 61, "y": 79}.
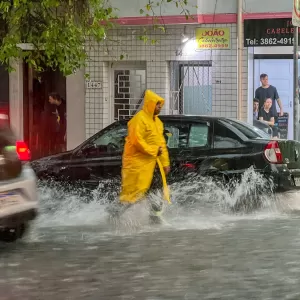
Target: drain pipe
{"x": 240, "y": 47}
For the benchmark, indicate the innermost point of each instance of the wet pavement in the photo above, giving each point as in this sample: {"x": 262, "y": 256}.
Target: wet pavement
{"x": 74, "y": 253}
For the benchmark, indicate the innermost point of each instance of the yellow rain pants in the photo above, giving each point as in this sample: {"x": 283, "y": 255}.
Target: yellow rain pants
{"x": 145, "y": 136}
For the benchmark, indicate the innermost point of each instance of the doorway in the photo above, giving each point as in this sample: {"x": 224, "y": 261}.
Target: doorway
{"x": 128, "y": 87}
{"x": 39, "y": 119}
{"x": 4, "y": 88}
{"x": 191, "y": 87}
{"x": 280, "y": 73}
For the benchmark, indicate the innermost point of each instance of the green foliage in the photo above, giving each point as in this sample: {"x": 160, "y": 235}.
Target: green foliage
{"x": 151, "y": 9}
{"x": 56, "y": 30}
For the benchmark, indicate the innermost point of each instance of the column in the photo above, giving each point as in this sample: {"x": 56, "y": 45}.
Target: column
{"x": 75, "y": 109}
{"x": 16, "y": 99}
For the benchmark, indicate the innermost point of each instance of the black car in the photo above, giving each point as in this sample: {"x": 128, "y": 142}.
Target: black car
{"x": 263, "y": 126}
{"x": 219, "y": 147}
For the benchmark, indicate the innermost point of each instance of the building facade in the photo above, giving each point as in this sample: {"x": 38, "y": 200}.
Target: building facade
{"x": 191, "y": 76}
{"x": 193, "y": 79}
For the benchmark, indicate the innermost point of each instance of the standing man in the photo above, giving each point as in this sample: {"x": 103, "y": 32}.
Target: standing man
{"x": 145, "y": 147}
{"x": 59, "y": 136}
{"x": 266, "y": 91}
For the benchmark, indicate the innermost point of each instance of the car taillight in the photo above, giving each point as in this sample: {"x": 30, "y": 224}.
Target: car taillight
{"x": 23, "y": 151}
{"x": 272, "y": 153}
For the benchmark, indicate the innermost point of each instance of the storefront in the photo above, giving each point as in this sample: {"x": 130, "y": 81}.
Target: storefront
{"x": 270, "y": 51}
{"x": 192, "y": 66}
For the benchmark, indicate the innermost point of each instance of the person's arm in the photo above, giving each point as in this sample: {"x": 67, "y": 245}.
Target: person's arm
{"x": 270, "y": 123}
{"x": 256, "y": 94}
{"x": 164, "y": 157}
{"x": 278, "y": 102}
{"x": 137, "y": 133}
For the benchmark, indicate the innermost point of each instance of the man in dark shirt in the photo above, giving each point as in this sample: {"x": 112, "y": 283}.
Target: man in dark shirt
{"x": 266, "y": 91}
{"x": 60, "y": 112}
{"x": 266, "y": 116}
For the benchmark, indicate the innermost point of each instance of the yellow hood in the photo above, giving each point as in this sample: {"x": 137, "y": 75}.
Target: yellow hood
{"x": 150, "y": 101}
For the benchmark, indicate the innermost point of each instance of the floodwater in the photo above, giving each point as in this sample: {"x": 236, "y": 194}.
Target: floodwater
{"x": 203, "y": 250}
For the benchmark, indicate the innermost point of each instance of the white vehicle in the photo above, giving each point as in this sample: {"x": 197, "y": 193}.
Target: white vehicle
{"x": 18, "y": 191}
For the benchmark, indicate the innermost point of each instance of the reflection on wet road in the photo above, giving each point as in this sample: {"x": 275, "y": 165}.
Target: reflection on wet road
{"x": 201, "y": 254}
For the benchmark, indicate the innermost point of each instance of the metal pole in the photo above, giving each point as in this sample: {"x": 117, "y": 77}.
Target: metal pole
{"x": 295, "y": 87}
{"x": 240, "y": 47}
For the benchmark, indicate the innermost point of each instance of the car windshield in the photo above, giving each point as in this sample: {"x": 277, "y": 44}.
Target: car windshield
{"x": 250, "y": 131}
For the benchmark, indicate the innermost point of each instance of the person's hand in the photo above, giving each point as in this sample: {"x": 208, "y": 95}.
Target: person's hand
{"x": 159, "y": 151}
{"x": 281, "y": 113}
{"x": 167, "y": 170}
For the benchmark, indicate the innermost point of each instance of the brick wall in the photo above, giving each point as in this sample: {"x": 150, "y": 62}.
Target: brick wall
{"x": 157, "y": 59}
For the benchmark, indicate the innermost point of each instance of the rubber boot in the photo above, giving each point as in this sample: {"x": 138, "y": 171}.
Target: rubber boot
{"x": 155, "y": 213}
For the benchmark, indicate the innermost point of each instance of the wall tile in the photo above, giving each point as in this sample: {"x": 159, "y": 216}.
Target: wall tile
{"x": 157, "y": 59}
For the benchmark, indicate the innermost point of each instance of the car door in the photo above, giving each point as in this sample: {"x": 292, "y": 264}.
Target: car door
{"x": 101, "y": 157}
{"x": 189, "y": 144}
{"x": 230, "y": 152}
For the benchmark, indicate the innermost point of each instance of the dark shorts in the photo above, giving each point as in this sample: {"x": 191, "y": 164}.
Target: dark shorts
{"x": 275, "y": 131}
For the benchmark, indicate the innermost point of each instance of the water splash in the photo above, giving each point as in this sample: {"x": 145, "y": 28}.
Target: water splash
{"x": 198, "y": 201}
{"x": 252, "y": 191}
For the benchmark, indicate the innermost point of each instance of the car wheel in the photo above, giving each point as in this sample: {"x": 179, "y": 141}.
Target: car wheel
{"x": 10, "y": 235}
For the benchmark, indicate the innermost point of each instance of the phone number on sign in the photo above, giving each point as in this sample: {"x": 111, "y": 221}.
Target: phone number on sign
{"x": 214, "y": 46}
{"x": 275, "y": 41}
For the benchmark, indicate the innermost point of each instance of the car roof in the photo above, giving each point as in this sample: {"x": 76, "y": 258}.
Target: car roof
{"x": 190, "y": 117}
{"x": 186, "y": 118}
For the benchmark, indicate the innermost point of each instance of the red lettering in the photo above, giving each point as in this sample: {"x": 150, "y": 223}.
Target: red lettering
{"x": 280, "y": 30}
{"x": 213, "y": 33}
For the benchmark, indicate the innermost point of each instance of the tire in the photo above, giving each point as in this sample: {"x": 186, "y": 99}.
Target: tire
{"x": 10, "y": 235}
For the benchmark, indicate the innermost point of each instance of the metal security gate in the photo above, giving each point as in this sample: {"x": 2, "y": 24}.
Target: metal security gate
{"x": 129, "y": 88}
{"x": 191, "y": 87}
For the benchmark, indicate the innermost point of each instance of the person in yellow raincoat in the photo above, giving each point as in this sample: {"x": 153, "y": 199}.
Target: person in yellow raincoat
{"x": 145, "y": 145}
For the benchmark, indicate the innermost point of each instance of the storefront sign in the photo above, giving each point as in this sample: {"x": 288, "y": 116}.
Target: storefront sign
{"x": 283, "y": 123}
{"x": 268, "y": 32}
{"x": 93, "y": 84}
{"x": 212, "y": 38}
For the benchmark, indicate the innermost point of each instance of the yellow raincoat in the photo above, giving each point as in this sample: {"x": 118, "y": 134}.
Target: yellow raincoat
{"x": 145, "y": 136}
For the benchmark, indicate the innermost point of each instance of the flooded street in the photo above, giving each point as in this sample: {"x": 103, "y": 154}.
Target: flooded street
{"x": 203, "y": 252}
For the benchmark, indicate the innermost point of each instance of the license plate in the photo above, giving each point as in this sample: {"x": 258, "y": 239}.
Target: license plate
{"x": 9, "y": 199}
{"x": 297, "y": 181}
